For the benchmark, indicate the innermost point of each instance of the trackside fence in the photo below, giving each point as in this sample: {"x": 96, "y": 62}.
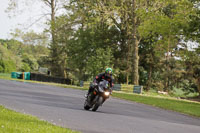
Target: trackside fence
{"x": 40, "y": 77}
{"x": 47, "y": 78}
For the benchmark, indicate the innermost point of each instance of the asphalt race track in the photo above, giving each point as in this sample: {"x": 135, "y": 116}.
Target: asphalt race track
{"x": 64, "y": 107}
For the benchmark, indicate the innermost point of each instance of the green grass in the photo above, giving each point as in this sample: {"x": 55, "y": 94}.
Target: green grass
{"x": 5, "y": 76}
{"x": 13, "y": 122}
{"x": 182, "y": 106}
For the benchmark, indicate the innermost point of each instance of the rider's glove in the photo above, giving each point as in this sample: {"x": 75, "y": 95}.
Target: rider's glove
{"x": 95, "y": 84}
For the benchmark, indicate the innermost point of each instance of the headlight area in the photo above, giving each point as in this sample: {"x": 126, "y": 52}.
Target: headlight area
{"x": 107, "y": 93}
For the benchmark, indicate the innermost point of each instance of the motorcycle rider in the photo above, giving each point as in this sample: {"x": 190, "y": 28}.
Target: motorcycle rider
{"x": 107, "y": 75}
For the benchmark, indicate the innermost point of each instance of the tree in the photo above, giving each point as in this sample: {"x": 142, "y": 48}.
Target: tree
{"x": 85, "y": 48}
{"x": 7, "y": 66}
{"x": 190, "y": 59}
{"x": 98, "y": 63}
{"x": 54, "y": 6}
{"x": 25, "y": 67}
{"x": 168, "y": 23}
{"x": 34, "y": 43}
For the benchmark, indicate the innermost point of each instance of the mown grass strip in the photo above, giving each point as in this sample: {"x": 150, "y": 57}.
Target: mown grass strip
{"x": 5, "y": 76}
{"x": 186, "y": 107}
{"x": 13, "y": 122}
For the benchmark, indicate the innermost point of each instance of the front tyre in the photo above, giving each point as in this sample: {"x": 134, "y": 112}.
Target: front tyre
{"x": 98, "y": 103}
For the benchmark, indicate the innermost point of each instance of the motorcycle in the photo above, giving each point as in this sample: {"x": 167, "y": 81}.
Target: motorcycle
{"x": 96, "y": 98}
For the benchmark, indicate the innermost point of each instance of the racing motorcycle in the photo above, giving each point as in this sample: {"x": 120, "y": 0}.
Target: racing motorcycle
{"x": 96, "y": 98}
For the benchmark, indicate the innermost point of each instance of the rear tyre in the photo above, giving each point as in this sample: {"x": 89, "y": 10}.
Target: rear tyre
{"x": 86, "y": 107}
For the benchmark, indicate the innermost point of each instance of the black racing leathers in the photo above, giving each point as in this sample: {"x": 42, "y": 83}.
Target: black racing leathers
{"x": 100, "y": 77}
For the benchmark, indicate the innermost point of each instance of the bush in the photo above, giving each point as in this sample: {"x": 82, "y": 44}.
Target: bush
{"x": 158, "y": 86}
{"x": 185, "y": 89}
{"x": 180, "y": 92}
{"x": 25, "y": 68}
{"x": 7, "y": 66}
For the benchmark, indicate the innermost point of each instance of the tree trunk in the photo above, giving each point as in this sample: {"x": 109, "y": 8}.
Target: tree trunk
{"x": 53, "y": 21}
{"x": 128, "y": 62}
{"x": 63, "y": 70}
{"x": 167, "y": 66}
{"x": 135, "y": 68}
{"x": 127, "y": 78}
{"x": 135, "y": 64}
{"x": 54, "y": 49}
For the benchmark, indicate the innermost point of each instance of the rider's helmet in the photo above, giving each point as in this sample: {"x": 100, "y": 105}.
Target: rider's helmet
{"x": 108, "y": 71}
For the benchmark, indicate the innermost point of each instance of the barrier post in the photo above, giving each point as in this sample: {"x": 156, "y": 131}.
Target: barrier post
{"x": 137, "y": 89}
{"x": 23, "y": 75}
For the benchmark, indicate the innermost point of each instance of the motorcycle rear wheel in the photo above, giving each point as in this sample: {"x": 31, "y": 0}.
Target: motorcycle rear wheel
{"x": 86, "y": 107}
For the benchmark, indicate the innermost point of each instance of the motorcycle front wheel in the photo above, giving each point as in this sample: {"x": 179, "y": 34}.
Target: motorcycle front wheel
{"x": 98, "y": 103}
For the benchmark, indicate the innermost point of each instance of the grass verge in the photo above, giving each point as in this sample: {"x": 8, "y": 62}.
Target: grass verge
{"x": 5, "y": 76}
{"x": 182, "y": 106}
{"x": 13, "y": 122}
